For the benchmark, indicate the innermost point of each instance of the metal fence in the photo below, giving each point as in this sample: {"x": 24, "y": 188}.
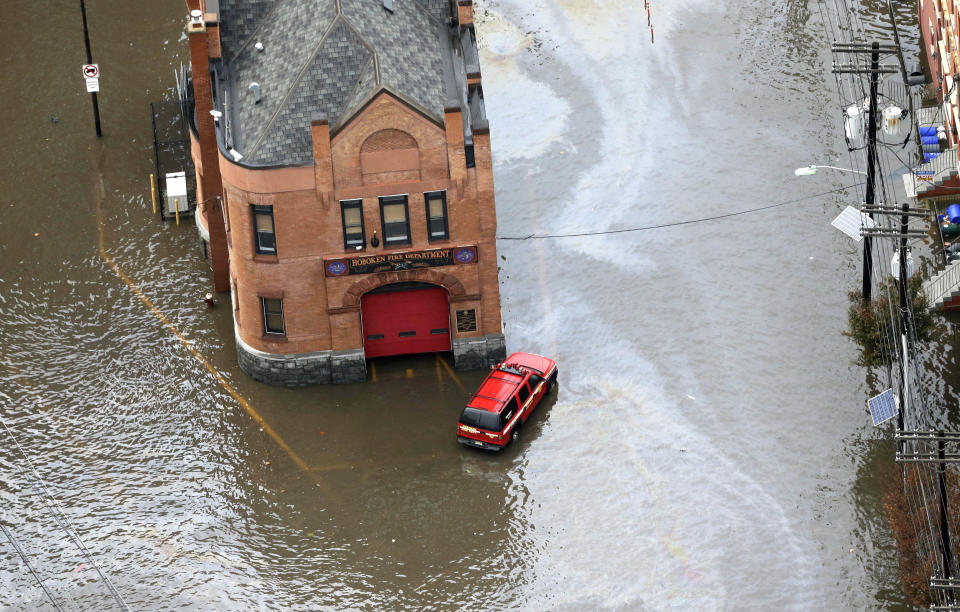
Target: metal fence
{"x": 171, "y": 152}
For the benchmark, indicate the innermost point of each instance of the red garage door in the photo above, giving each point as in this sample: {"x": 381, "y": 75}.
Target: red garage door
{"x": 399, "y": 320}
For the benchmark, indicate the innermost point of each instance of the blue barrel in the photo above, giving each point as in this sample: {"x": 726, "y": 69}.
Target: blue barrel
{"x": 929, "y": 139}
{"x": 953, "y": 212}
{"x": 927, "y": 157}
{"x": 930, "y": 130}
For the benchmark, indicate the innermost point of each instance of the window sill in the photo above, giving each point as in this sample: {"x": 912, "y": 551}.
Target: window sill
{"x": 267, "y": 259}
{"x": 273, "y": 338}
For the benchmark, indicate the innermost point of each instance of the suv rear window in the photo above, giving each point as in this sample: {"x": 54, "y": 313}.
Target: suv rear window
{"x": 481, "y": 418}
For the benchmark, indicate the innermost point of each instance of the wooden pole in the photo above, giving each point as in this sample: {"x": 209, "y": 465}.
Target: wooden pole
{"x": 153, "y": 193}
{"x": 176, "y": 209}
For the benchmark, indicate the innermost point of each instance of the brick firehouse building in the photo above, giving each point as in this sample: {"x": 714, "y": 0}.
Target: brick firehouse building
{"x": 345, "y": 182}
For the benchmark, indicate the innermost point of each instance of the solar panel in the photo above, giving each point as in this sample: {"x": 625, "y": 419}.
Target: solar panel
{"x": 851, "y": 220}
{"x": 883, "y": 407}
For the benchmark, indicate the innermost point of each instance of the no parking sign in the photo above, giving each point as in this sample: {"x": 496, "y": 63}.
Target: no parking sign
{"x": 91, "y": 74}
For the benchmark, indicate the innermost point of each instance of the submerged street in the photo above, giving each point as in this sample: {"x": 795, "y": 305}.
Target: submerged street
{"x": 708, "y": 447}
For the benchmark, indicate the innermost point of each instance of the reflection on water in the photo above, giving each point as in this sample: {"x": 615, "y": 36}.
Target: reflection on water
{"x": 706, "y": 449}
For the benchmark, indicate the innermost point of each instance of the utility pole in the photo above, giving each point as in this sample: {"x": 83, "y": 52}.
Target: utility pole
{"x": 875, "y": 70}
{"x": 945, "y": 582}
{"x": 904, "y": 311}
{"x": 86, "y": 41}
{"x": 944, "y": 524}
{"x": 929, "y": 447}
{"x": 871, "y": 168}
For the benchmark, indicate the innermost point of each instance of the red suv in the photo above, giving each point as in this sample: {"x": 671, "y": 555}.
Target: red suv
{"x": 505, "y": 400}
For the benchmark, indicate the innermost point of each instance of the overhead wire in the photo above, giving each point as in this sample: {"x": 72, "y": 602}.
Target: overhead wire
{"x": 844, "y": 84}
{"x": 26, "y": 561}
{"x": 686, "y": 222}
{"x": 59, "y": 517}
{"x": 916, "y": 489}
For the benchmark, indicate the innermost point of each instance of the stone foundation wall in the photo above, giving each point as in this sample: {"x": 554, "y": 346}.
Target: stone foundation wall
{"x": 350, "y": 366}
{"x": 321, "y": 368}
{"x": 479, "y": 353}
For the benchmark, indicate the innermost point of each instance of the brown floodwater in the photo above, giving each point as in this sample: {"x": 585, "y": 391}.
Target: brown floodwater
{"x": 707, "y": 449}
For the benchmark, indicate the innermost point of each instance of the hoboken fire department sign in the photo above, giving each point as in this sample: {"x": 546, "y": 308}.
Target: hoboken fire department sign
{"x": 391, "y": 262}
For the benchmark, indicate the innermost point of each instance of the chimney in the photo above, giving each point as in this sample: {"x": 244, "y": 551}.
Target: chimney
{"x": 322, "y": 156}
{"x": 209, "y": 182}
{"x": 453, "y": 126}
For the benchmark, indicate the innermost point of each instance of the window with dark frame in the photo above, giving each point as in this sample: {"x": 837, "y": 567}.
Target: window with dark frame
{"x": 351, "y": 211}
{"x": 395, "y": 220}
{"x": 523, "y": 393}
{"x": 436, "y": 204}
{"x": 505, "y": 417}
{"x": 534, "y": 381}
{"x": 273, "y": 316}
{"x": 264, "y": 238}
{"x": 509, "y": 410}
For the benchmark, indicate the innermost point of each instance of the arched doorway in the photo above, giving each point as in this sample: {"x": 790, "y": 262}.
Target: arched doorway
{"x": 405, "y": 318}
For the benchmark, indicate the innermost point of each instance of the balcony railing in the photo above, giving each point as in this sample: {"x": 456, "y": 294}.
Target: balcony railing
{"x": 940, "y": 170}
{"x": 942, "y": 286}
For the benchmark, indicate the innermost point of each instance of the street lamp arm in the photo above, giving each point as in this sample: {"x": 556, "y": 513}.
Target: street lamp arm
{"x": 808, "y": 170}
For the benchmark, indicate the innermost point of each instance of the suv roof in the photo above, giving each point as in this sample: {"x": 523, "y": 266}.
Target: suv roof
{"x": 497, "y": 388}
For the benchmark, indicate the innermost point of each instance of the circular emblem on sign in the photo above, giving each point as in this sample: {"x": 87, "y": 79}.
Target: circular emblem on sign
{"x": 91, "y": 71}
{"x": 464, "y": 255}
{"x": 336, "y": 268}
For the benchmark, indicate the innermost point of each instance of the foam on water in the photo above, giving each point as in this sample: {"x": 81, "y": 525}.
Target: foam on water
{"x": 690, "y": 525}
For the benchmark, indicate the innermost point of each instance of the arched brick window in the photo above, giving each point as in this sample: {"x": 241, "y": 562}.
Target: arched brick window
{"x": 390, "y": 156}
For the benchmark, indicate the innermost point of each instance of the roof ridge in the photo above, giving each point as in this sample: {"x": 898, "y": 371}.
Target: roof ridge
{"x": 366, "y": 43}
{"x": 286, "y": 96}
{"x": 346, "y": 109}
{"x": 349, "y": 113}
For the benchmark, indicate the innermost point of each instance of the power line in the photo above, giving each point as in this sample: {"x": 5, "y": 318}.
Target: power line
{"x": 61, "y": 518}
{"x": 676, "y": 223}
{"x": 26, "y": 561}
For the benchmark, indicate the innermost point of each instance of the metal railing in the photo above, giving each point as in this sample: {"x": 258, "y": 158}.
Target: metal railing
{"x": 943, "y": 284}
{"x": 171, "y": 151}
{"x": 943, "y": 167}
{"x": 946, "y": 162}
{"x": 930, "y": 115}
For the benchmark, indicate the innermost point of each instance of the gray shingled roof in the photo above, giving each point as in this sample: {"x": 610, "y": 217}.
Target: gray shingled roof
{"x": 239, "y": 19}
{"x": 325, "y": 56}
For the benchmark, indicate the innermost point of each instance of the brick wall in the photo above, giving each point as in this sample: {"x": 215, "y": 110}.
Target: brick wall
{"x": 389, "y": 148}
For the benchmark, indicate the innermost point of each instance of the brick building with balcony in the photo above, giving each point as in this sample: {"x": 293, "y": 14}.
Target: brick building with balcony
{"x": 345, "y": 182}
{"x": 938, "y": 124}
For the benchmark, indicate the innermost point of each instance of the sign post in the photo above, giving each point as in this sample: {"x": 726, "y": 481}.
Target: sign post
{"x": 91, "y": 71}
